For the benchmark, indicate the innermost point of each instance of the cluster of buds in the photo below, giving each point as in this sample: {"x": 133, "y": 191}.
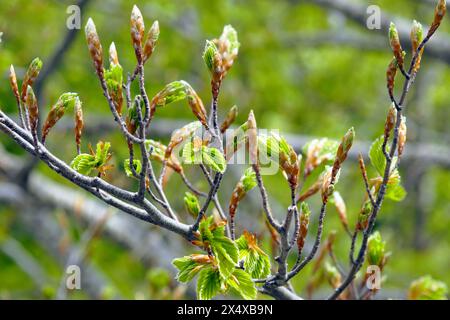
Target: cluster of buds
{"x": 192, "y": 204}
{"x": 30, "y": 76}
{"x": 219, "y": 56}
{"x": 303, "y": 231}
{"x": 95, "y": 47}
{"x": 176, "y": 91}
{"x": 401, "y": 136}
{"x": 143, "y": 50}
{"x": 245, "y": 184}
{"x": 289, "y": 162}
{"x": 416, "y": 40}
{"x": 395, "y": 45}
{"x": 230, "y": 118}
{"x": 65, "y": 101}
{"x": 439, "y": 13}
{"x": 114, "y": 79}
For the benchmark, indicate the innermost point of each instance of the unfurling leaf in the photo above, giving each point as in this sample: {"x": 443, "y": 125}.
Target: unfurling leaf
{"x": 95, "y": 47}
{"x": 228, "y": 46}
{"x": 256, "y": 261}
{"x": 83, "y": 163}
{"x": 132, "y": 119}
{"x": 192, "y": 204}
{"x": 158, "y": 151}
{"x": 395, "y": 44}
{"x": 416, "y": 40}
{"x": 65, "y": 102}
{"x": 304, "y": 223}
{"x": 189, "y": 266}
{"x": 242, "y": 282}
{"x": 212, "y": 236}
{"x": 30, "y": 76}
{"x": 328, "y": 182}
{"x": 344, "y": 147}
{"x": 152, "y": 38}
{"x": 376, "y": 156}
{"x": 212, "y": 57}
{"x": 137, "y": 165}
{"x": 427, "y": 288}
{"x": 114, "y": 80}
{"x": 376, "y": 250}
{"x": 319, "y": 151}
{"x": 176, "y": 91}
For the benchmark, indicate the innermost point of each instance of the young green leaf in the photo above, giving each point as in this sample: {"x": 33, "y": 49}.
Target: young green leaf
{"x": 213, "y": 158}
{"x": 376, "y": 155}
{"x": 208, "y": 284}
{"x": 83, "y": 163}
{"x": 189, "y": 266}
{"x": 242, "y": 282}
{"x": 136, "y": 164}
{"x": 192, "y": 204}
{"x": 427, "y": 288}
{"x": 256, "y": 261}
{"x": 375, "y": 249}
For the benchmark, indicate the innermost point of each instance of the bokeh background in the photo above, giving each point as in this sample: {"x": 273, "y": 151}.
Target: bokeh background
{"x": 309, "y": 68}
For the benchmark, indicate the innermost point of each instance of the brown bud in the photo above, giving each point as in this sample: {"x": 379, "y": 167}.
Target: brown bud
{"x": 416, "y": 40}
{"x": 401, "y": 136}
{"x": 231, "y": 116}
{"x": 391, "y": 72}
{"x": 390, "y": 121}
{"x": 439, "y": 13}
{"x": 395, "y": 44}
{"x": 113, "y": 57}
{"x": 137, "y": 32}
{"x": 31, "y": 75}
{"x": 95, "y": 47}
{"x": 13, "y": 82}
{"x": 32, "y": 106}
{"x": 303, "y": 231}
{"x": 79, "y": 124}
{"x": 252, "y": 138}
{"x": 152, "y": 38}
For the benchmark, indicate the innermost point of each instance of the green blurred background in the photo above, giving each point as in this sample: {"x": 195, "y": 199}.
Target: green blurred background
{"x": 304, "y": 67}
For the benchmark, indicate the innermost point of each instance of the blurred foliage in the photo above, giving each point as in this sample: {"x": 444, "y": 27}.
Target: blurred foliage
{"x": 318, "y": 89}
